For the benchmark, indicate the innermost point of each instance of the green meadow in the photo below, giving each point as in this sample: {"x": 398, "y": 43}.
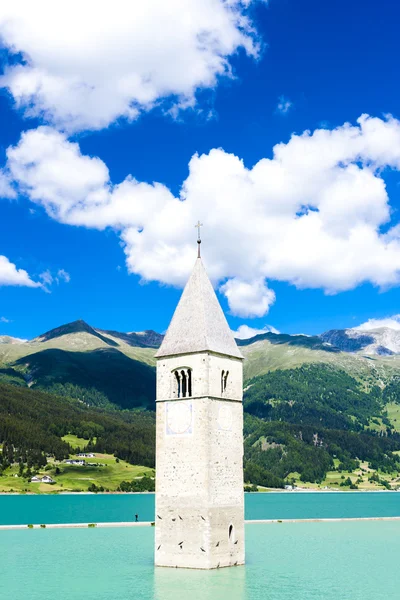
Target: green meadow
{"x": 361, "y": 477}
{"x": 109, "y": 473}
{"x": 76, "y": 442}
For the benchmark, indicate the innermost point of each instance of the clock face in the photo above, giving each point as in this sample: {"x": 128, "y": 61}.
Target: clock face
{"x": 225, "y": 417}
{"x": 179, "y": 417}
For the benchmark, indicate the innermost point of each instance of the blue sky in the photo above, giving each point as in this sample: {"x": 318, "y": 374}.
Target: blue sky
{"x": 327, "y": 63}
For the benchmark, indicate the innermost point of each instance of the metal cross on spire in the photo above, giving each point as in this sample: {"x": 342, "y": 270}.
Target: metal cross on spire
{"x": 198, "y": 226}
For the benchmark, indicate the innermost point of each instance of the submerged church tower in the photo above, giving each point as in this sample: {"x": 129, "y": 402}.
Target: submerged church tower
{"x": 199, "y": 440}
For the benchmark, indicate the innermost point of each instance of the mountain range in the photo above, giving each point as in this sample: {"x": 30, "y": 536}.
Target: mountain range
{"x": 100, "y": 368}
{"x": 309, "y": 401}
{"x": 379, "y": 341}
{"x": 107, "y": 367}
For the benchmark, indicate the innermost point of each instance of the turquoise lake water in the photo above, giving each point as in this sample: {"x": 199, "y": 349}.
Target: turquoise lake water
{"x": 289, "y": 561}
{"x": 15, "y": 510}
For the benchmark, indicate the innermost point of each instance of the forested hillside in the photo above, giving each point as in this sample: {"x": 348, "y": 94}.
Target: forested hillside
{"x": 302, "y": 420}
{"x": 32, "y": 424}
{"x": 311, "y": 395}
{"x": 109, "y": 368}
{"x": 106, "y": 369}
{"x": 276, "y": 452}
{"x": 290, "y": 438}
{"x": 102, "y": 377}
{"x": 310, "y": 409}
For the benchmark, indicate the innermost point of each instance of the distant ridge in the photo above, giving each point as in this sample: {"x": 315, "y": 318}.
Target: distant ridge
{"x": 8, "y": 339}
{"x": 380, "y": 341}
{"x": 142, "y": 339}
{"x": 312, "y": 342}
{"x": 101, "y": 368}
{"x": 74, "y": 327}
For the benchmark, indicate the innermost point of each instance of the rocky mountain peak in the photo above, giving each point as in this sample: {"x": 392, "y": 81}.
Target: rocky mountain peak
{"x": 382, "y": 341}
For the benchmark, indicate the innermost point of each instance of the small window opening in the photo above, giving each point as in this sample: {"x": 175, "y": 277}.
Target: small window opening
{"x": 177, "y": 385}
{"x": 224, "y": 380}
{"x": 184, "y": 384}
{"x": 189, "y": 382}
{"x": 230, "y": 531}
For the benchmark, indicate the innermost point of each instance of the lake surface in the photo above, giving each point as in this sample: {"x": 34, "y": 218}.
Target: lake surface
{"x": 102, "y": 508}
{"x": 289, "y": 561}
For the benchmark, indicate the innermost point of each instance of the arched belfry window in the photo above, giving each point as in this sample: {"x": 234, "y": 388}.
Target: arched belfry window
{"x": 182, "y": 383}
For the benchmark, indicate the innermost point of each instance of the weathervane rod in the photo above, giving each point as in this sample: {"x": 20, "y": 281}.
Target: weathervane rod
{"x": 198, "y": 226}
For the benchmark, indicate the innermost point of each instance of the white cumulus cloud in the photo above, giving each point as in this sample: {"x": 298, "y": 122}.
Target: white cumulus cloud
{"x": 312, "y": 215}
{"x": 10, "y": 275}
{"x": 244, "y": 332}
{"x": 392, "y": 322}
{"x": 6, "y": 191}
{"x": 248, "y": 298}
{"x": 86, "y": 64}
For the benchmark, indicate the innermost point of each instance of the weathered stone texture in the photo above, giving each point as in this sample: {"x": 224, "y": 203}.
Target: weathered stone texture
{"x": 206, "y": 375}
{"x": 199, "y": 486}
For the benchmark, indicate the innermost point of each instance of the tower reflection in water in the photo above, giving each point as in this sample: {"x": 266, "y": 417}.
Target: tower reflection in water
{"x": 191, "y": 584}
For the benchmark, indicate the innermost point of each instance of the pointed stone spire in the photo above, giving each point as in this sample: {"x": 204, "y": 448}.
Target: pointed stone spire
{"x": 198, "y": 323}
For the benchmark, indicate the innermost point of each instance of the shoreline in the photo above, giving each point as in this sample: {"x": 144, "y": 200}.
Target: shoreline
{"x": 152, "y": 524}
{"x": 266, "y": 491}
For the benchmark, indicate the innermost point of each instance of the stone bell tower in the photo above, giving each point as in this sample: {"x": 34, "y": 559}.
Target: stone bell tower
{"x": 199, "y": 441}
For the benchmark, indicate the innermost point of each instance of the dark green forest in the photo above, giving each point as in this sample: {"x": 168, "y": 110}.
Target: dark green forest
{"x": 296, "y": 421}
{"x": 273, "y": 450}
{"x": 33, "y": 422}
{"x": 313, "y": 395}
{"x": 104, "y": 377}
{"x": 299, "y": 420}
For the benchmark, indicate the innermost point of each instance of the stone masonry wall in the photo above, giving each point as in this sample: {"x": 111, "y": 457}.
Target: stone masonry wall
{"x": 199, "y": 474}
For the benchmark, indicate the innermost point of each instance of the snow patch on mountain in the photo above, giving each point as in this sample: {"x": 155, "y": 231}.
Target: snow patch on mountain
{"x": 381, "y": 341}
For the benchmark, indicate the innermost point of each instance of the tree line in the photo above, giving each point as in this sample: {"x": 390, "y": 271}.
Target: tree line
{"x": 33, "y": 422}
{"x": 275, "y": 450}
{"x": 298, "y": 420}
